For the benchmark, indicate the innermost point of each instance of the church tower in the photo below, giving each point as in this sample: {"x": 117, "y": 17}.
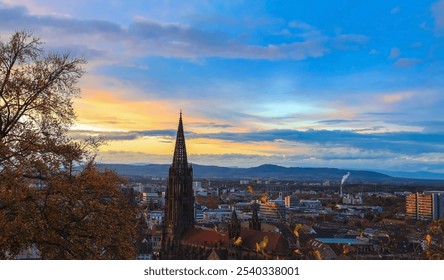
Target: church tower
{"x": 255, "y": 223}
{"x": 234, "y": 227}
{"x": 179, "y": 199}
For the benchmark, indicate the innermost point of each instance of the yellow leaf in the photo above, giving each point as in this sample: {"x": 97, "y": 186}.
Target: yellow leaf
{"x": 296, "y": 230}
{"x": 264, "y": 242}
{"x": 250, "y": 190}
{"x": 238, "y": 241}
{"x": 263, "y": 198}
{"x": 428, "y": 238}
{"x": 318, "y": 255}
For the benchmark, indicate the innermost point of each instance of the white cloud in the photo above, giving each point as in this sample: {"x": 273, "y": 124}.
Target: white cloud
{"x": 145, "y": 37}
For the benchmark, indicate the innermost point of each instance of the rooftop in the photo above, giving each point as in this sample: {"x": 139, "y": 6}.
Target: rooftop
{"x": 350, "y": 241}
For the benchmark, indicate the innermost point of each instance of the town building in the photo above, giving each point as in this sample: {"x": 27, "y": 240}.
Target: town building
{"x": 425, "y": 206}
{"x": 291, "y": 200}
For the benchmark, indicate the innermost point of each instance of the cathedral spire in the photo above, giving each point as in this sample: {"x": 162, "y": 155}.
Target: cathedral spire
{"x": 234, "y": 227}
{"x": 179, "y": 199}
{"x": 180, "y": 151}
{"x": 255, "y": 223}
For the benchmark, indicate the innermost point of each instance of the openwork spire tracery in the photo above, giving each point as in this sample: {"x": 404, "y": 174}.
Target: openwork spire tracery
{"x": 180, "y": 151}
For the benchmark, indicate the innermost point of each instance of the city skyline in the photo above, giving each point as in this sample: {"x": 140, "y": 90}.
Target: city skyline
{"x": 338, "y": 84}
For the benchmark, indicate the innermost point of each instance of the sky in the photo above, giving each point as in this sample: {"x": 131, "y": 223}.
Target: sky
{"x": 345, "y": 84}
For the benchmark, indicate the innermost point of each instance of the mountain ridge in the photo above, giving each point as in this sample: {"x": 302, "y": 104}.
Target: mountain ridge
{"x": 267, "y": 171}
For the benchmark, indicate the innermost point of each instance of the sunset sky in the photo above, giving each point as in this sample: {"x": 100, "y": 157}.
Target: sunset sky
{"x": 347, "y": 84}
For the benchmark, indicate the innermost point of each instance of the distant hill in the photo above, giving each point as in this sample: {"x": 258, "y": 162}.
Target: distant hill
{"x": 413, "y": 175}
{"x": 290, "y": 173}
{"x": 267, "y": 171}
{"x": 155, "y": 170}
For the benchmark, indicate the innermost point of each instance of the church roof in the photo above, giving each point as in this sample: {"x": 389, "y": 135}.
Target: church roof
{"x": 276, "y": 243}
{"x": 204, "y": 237}
{"x": 218, "y": 255}
{"x": 210, "y": 238}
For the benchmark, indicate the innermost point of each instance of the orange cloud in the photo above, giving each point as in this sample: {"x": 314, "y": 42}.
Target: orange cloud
{"x": 121, "y": 109}
{"x": 103, "y": 110}
{"x": 393, "y": 98}
{"x": 162, "y": 146}
{"x": 152, "y": 145}
{"x": 217, "y": 146}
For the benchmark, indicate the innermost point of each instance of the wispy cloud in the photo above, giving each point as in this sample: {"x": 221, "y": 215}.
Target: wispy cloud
{"x": 186, "y": 41}
{"x": 301, "y": 25}
{"x": 317, "y": 86}
{"x": 349, "y": 41}
{"x": 394, "y": 53}
{"x": 335, "y": 157}
{"x": 395, "y": 10}
{"x": 334, "y": 122}
{"x": 121, "y": 135}
{"x": 395, "y": 142}
{"x": 438, "y": 15}
{"x": 393, "y": 98}
{"x": 149, "y": 37}
{"x": 407, "y": 62}
{"x": 132, "y": 157}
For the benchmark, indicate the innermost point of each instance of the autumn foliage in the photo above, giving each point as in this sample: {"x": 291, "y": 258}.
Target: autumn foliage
{"x": 435, "y": 240}
{"x": 52, "y": 197}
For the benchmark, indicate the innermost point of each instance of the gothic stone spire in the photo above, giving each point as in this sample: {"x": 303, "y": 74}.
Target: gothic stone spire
{"x": 234, "y": 227}
{"x": 180, "y": 152}
{"x": 179, "y": 199}
{"x": 255, "y": 223}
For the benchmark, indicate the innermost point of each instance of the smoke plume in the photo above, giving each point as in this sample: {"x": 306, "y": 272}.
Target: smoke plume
{"x": 345, "y": 177}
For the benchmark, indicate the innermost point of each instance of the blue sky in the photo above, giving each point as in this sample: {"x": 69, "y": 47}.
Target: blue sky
{"x": 349, "y": 84}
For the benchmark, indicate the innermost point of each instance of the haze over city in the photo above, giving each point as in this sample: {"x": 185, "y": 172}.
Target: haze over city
{"x": 335, "y": 84}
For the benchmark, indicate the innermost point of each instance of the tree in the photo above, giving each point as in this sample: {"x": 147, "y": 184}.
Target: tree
{"x": 85, "y": 217}
{"x": 435, "y": 240}
{"x": 47, "y": 201}
{"x": 36, "y": 92}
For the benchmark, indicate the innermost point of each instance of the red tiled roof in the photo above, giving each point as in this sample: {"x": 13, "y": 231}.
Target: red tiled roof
{"x": 209, "y": 237}
{"x": 276, "y": 243}
{"x": 205, "y": 237}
